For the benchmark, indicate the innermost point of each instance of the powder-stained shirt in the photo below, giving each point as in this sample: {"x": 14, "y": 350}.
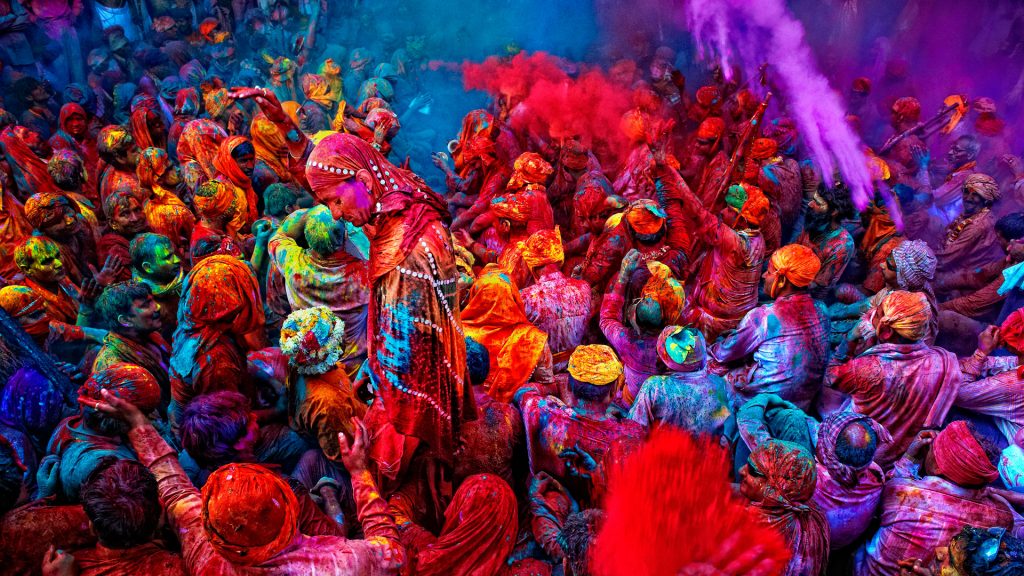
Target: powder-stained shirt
{"x": 559, "y": 306}
{"x": 694, "y": 401}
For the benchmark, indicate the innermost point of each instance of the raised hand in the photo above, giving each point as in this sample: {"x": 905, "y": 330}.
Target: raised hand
{"x": 354, "y": 455}
{"x": 111, "y": 271}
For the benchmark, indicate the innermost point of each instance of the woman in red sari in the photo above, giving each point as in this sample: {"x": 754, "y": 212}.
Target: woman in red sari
{"x": 235, "y": 162}
{"x": 73, "y": 134}
{"x": 26, "y": 154}
{"x": 165, "y": 213}
{"x": 197, "y": 147}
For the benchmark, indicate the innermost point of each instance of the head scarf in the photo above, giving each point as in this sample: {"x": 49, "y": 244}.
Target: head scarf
{"x": 495, "y": 317}
{"x": 23, "y": 303}
{"x": 153, "y": 163}
{"x": 1012, "y": 331}
{"x": 226, "y": 164}
{"x": 316, "y": 89}
{"x": 66, "y": 112}
{"x": 43, "y": 209}
{"x": 479, "y": 531}
{"x": 789, "y": 474}
{"x": 514, "y": 207}
{"x": 30, "y": 172}
{"x": 908, "y": 109}
{"x": 645, "y": 216}
{"x": 676, "y": 488}
{"x": 126, "y": 381}
{"x": 915, "y": 264}
{"x": 682, "y": 349}
{"x": 193, "y": 73}
{"x": 983, "y": 185}
{"x": 197, "y": 148}
{"x": 219, "y": 296}
{"x": 477, "y": 125}
{"x": 186, "y": 103}
{"x": 784, "y": 132}
{"x": 543, "y": 248}
{"x": 664, "y": 289}
{"x": 529, "y": 168}
{"x": 270, "y": 145}
{"x": 250, "y": 514}
{"x": 796, "y": 263}
{"x": 215, "y": 201}
{"x": 960, "y": 458}
{"x": 30, "y": 402}
{"x": 749, "y": 201}
{"x": 376, "y": 88}
{"x": 216, "y": 102}
{"x": 291, "y": 109}
{"x": 143, "y": 111}
{"x": 595, "y": 364}
{"x": 313, "y": 339}
{"x": 711, "y": 128}
{"x": 828, "y": 436}
{"x": 763, "y": 148}
{"x": 907, "y": 313}
{"x": 592, "y": 192}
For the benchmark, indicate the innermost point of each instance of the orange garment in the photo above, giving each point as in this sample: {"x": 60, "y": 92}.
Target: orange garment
{"x": 165, "y": 213}
{"x": 270, "y": 145}
{"x": 229, "y": 171}
{"x": 496, "y": 318}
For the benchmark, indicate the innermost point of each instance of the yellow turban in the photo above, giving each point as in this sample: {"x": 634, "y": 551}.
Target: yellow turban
{"x": 595, "y": 364}
{"x": 543, "y": 248}
{"x": 907, "y": 313}
{"x": 665, "y": 290}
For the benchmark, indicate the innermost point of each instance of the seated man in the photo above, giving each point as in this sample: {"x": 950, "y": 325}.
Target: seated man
{"x": 687, "y": 397}
{"x": 938, "y": 487}
{"x": 120, "y": 498}
{"x": 970, "y": 241}
{"x": 994, "y": 386}
{"x": 247, "y": 518}
{"x": 901, "y": 382}
{"x": 155, "y": 264}
{"x": 849, "y": 485}
{"x": 785, "y": 341}
{"x": 133, "y": 318}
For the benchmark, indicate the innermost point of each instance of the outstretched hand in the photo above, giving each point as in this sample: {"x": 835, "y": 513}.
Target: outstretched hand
{"x": 266, "y": 100}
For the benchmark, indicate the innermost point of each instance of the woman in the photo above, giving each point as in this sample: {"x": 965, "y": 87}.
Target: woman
{"x": 165, "y": 213}
{"x": 235, "y": 162}
{"x": 496, "y": 318}
{"x": 220, "y": 312}
{"x": 26, "y": 154}
{"x": 198, "y": 146}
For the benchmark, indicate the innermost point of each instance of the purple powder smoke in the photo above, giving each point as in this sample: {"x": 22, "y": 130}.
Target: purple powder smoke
{"x": 753, "y": 32}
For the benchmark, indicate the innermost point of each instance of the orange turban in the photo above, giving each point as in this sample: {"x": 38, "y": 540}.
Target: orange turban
{"x": 712, "y": 127}
{"x": 530, "y": 168}
{"x": 512, "y": 207}
{"x": 749, "y": 201}
{"x": 595, "y": 364}
{"x": 664, "y": 289}
{"x": 214, "y": 200}
{"x": 763, "y": 148}
{"x": 543, "y": 248}
{"x": 796, "y": 263}
{"x": 634, "y": 125}
{"x": 126, "y": 381}
{"x": 907, "y": 313}
{"x": 250, "y": 514}
{"x": 645, "y": 216}
{"x": 1011, "y": 332}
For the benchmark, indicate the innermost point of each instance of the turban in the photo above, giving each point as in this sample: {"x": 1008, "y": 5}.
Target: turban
{"x": 44, "y": 208}
{"x": 1011, "y": 468}
{"x": 529, "y": 168}
{"x": 113, "y": 139}
{"x": 634, "y": 125}
{"x": 749, "y": 201}
{"x": 960, "y": 458}
{"x": 682, "y": 349}
{"x": 153, "y": 163}
{"x": 788, "y": 470}
{"x": 915, "y": 264}
{"x": 907, "y": 313}
{"x": 23, "y": 304}
{"x": 983, "y": 185}
{"x": 376, "y": 88}
{"x": 763, "y": 148}
{"x": 592, "y": 192}
{"x": 908, "y": 108}
{"x": 796, "y": 263}
{"x": 1012, "y": 331}
{"x": 828, "y": 436}
{"x": 250, "y": 514}
{"x": 708, "y": 95}
{"x": 645, "y": 216}
{"x": 712, "y": 127}
{"x": 315, "y": 88}
{"x": 64, "y": 164}
{"x": 126, "y": 381}
{"x": 214, "y": 200}
{"x": 313, "y": 339}
{"x": 664, "y": 289}
{"x": 543, "y": 248}
{"x": 512, "y": 207}
{"x": 595, "y": 364}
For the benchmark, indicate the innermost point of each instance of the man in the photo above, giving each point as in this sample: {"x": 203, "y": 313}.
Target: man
{"x": 54, "y": 217}
{"x": 970, "y": 241}
{"x": 324, "y": 274}
{"x": 786, "y": 340}
{"x": 993, "y": 386}
{"x": 132, "y": 316}
{"x": 155, "y": 264}
{"x": 901, "y": 382}
{"x": 246, "y": 517}
{"x": 587, "y": 426}
{"x": 687, "y": 397}
{"x": 120, "y": 498}
{"x": 936, "y": 489}
{"x": 38, "y": 259}
{"x": 906, "y": 155}
{"x": 555, "y": 303}
{"x": 709, "y": 162}
{"x": 961, "y": 159}
{"x": 825, "y": 234}
{"x": 849, "y": 485}
{"x": 126, "y": 218}
{"x": 80, "y": 442}
{"x": 120, "y": 156}
{"x": 728, "y": 277}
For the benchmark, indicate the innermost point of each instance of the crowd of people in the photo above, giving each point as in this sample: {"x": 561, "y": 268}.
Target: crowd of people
{"x": 282, "y": 351}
